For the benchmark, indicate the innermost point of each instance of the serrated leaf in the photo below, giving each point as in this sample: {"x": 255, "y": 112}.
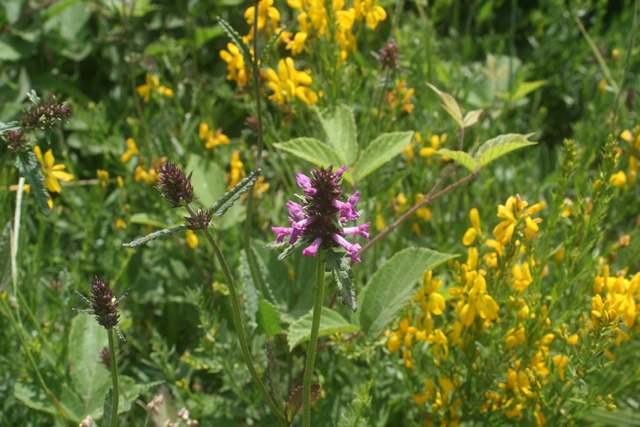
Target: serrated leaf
{"x": 294, "y": 403}
{"x": 236, "y": 39}
{"x": 315, "y": 152}
{"x": 343, "y": 275}
{"x": 471, "y": 118}
{"x": 29, "y": 167}
{"x": 339, "y": 125}
{"x": 154, "y": 235}
{"x": 393, "y": 285}
{"x": 268, "y": 318}
{"x": 90, "y": 378}
{"x": 450, "y": 105}
{"x": 228, "y": 199}
{"x": 381, "y": 150}
{"x": 501, "y": 145}
{"x": 8, "y": 127}
{"x": 331, "y": 322}
{"x": 286, "y": 248}
{"x": 459, "y": 156}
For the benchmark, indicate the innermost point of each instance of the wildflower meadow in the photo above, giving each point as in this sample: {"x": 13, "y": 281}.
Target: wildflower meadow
{"x": 319, "y": 213}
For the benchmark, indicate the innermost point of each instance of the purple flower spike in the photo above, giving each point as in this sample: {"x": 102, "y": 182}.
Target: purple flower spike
{"x": 320, "y": 217}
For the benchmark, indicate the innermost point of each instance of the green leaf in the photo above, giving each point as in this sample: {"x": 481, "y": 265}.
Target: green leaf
{"x": 393, "y": 285}
{"x": 107, "y": 407}
{"x": 8, "y": 127}
{"x": 207, "y": 178}
{"x": 203, "y": 35}
{"x": 268, "y": 318}
{"x": 315, "y": 152}
{"x": 29, "y": 168}
{"x": 228, "y": 199}
{"x": 382, "y": 149}
{"x": 471, "y": 118}
{"x": 501, "y": 145}
{"x": 343, "y": 275}
{"x": 340, "y": 127}
{"x": 525, "y": 88}
{"x": 248, "y": 290}
{"x": 450, "y": 105}
{"x": 5, "y": 256}
{"x": 236, "y": 39}
{"x": 331, "y": 322}
{"x": 154, "y": 235}
{"x": 90, "y": 378}
{"x": 33, "y": 396}
{"x": 459, "y": 156}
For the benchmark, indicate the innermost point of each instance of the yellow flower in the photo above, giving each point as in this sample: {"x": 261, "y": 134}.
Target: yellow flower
{"x": 521, "y": 276}
{"x": 371, "y": 12}
{"x": 52, "y": 172}
{"x": 408, "y": 151}
{"x": 103, "y": 177}
{"x": 619, "y": 179}
{"x": 560, "y": 362}
{"x": 192, "y": 239}
{"x": 120, "y": 182}
{"x": 436, "y": 142}
{"x": 215, "y": 139}
{"x": 289, "y": 83}
{"x": 515, "y": 336}
{"x": 152, "y": 84}
{"x": 236, "y": 68}
{"x": 514, "y": 213}
{"x": 132, "y": 150}
{"x": 297, "y": 44}
{"x": 380, "y": 222}
{"x": 236, "y": 172}
{"x": 120, "y": 224}
{"x": 260, "y": 187}
{"x": 266, "y": 13}
{"x": 471, "y": 233}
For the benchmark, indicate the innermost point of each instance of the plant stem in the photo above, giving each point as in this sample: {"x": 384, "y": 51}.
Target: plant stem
{"x": 237, "y": 320}
{"x": 114, "y": 378}
{"x": 313, "y": 342}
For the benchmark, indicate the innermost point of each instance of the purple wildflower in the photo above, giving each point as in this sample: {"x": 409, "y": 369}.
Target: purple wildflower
{"x": 319, "y": 220}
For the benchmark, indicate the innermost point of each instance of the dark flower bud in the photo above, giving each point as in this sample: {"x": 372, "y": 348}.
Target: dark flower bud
{"x": 175, "y": 187}
{"x": 200, "y": 221}
{"x": 16, "y": 140}
{"x": 251, "y": 123}
{"x": 105, "y": 357}
{"x": 388, "y": 56}
{"x": 104, "y": 304}
{"x": 45, "y": 115}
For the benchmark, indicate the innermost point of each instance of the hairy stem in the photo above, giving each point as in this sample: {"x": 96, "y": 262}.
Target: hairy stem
{"x": 114, "y": 378}
{"x": 237, "y": 320}
{"x": 313, "y": 341}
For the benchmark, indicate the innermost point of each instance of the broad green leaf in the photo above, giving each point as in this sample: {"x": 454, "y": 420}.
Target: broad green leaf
{"x": 90, "y": 378}
{"x": 525, "y": 88}
{"x": 450, "y": 105}
{"x": 34, "y": 396}
{"x": 393, "y": 285}
{"x": 340, "y": 267}
{"x": 29, "y": 168}
{"x": 471, "y": 118}
{"x": 203, "y": 35}
{"x": 268, "y": 318}
{"x": 229, "y": 198}
{"x": 340, "y": 127}
{"x": 501, "y": 145}
{"x": 315, "y": 152}
{"x": 154, "y": 235}
{"x": 382, "y": 149}
{"x": 331, "y": 322}
{"x": 208, "y": 179}
{"x": 459, "y": 156}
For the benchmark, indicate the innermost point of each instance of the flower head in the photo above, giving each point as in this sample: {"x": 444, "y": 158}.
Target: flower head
{"x": 45, "y": 115}
{"x": 176, "y": 188}
{"x": 53, "y": 173}
{"x": 319, "y": 220}
{"x": 103, "y": 304}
